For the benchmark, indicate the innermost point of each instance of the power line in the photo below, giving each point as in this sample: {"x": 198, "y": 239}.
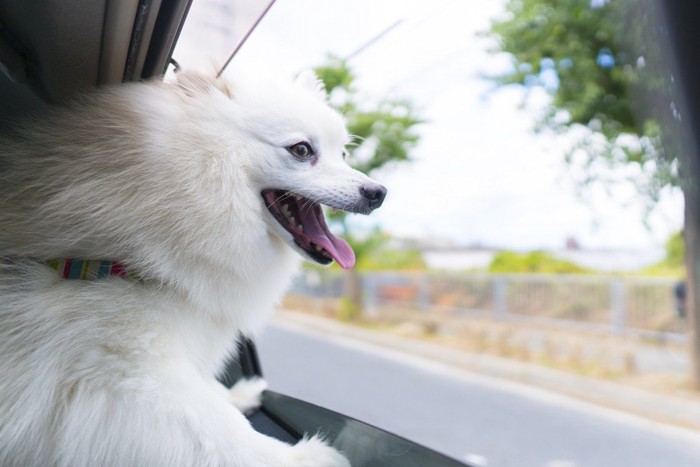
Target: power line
{"x": 374, "y": 40}
{"x": 245, "y": 36}
{"x": 424, "y": 19}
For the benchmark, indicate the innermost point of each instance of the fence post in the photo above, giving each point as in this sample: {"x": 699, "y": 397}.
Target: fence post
{"x": 369, "y": 295}
{"x": 423, "y": 292}
{"x": 499, "y": 290}
{"x": 617, "y": 305}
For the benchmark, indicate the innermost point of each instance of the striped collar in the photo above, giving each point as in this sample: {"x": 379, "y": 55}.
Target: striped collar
{"x": 90, "y": 269}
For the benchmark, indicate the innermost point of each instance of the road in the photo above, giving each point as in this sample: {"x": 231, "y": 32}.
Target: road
{"x": 487, "y": 421}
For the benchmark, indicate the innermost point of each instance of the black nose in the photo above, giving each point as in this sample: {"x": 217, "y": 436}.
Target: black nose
{"x": 374, "y": 194}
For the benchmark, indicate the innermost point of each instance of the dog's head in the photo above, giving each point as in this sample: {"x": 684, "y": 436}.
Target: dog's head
{"x": 295, "y": 160}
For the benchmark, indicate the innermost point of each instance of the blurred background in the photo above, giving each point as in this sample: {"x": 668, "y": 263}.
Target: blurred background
{"x": 532, "y": 232}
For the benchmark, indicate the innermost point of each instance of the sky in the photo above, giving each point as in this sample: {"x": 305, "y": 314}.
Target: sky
{"x": 480, "y": 176}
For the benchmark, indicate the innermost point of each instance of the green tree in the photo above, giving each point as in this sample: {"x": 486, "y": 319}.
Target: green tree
{"x": 675, "y": 250}
{"x": 601, "y": 65}
{"x": 605, "y": 68}
{"x": 376, "y": 253}
{"x": 673, "y": 264}
{"x": 533, "y": 262}
{"x": 384, "y": 133}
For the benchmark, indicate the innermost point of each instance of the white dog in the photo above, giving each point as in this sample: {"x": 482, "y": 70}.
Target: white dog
{"x": 202, "y": 193}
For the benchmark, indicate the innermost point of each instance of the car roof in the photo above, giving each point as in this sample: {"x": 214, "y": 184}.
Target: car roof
{"x": 52, "y": 49}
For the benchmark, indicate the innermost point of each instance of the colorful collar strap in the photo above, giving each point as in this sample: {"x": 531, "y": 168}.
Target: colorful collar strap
{"x": 90, "y": 269}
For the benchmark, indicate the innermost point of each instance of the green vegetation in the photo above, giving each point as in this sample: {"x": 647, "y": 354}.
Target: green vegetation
{"x": 533, "y": 262}
{"x": 393, "y": 260}
{"x": 384, "y": 133}
{"x": 375, "y": 253}
{"x": 673, "y": 264}
{"x": 604, "y": 64}
{"x": 604, "y": 69}
{"x": 675, "y": 250}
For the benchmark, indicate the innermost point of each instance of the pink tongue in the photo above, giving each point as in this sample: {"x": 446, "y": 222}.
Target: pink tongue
{"x": 317, "y": 231}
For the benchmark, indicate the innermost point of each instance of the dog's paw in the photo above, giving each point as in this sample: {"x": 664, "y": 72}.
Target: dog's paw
{"x": 246, "y": 394}
{"x": 313, "y": 452}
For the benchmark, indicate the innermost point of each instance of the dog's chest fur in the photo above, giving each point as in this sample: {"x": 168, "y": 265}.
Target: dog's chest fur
{"x": 96, "y": 181}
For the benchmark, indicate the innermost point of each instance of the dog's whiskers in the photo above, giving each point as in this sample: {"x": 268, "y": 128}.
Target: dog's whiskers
{"x": 356, "y": 141}
{"x": 286, "y": 195}
{"x": 308, "y": 203}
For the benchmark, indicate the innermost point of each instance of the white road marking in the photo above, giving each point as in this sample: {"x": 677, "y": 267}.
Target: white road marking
{"x": 476, "y": 460}
{"x": 560, "y": 463}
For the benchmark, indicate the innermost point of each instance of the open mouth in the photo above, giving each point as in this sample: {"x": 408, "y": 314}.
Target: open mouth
{"x": 304, "y": 220}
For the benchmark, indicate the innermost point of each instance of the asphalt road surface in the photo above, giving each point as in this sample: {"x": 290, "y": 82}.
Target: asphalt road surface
{"x": 484, "y": 420}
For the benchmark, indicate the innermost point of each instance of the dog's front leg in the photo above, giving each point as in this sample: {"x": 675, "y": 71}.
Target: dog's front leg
{"x": 246, "y": 394}
{"x": 186, "y": 423}
{"x": 246, "y": 447}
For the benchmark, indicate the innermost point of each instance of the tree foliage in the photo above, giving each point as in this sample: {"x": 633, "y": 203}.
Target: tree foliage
{"x": 601, "y": 64}
{"x": 384, "y": 133}
{"x": 533, "y": 262}
{"x": 376, "y": 253}
{"x": 673, "y": 264}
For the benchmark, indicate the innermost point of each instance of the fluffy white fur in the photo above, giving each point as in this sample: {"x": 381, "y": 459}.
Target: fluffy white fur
{"x": 165, "y": 177}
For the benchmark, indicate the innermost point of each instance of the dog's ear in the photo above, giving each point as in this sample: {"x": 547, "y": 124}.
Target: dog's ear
{"x": 308, "y": 80}
{"x": 193, "y": 83}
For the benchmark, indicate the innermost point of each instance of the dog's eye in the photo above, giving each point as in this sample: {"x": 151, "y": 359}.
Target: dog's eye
{"x": 301, "y": 150}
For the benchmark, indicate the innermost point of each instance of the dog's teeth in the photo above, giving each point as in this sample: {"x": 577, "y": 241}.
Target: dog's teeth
{"x": 300, "y": 227}
{"x": 297, "y": 197}
{"x": 319, "y": 249}
{"x": 292, "y": 220}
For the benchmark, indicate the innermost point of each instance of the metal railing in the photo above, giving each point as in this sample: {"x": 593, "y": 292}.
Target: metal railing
{"x": 640, "y": 306}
